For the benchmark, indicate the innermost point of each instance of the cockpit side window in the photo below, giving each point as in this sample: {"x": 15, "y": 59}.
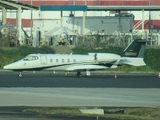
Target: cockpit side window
{"x": 29, "y": 58}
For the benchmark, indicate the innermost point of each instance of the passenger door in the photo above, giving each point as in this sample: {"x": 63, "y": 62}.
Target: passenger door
{"x": 43, "y": 60}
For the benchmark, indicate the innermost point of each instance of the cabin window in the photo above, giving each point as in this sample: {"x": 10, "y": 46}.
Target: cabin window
{"x": 68, "y": 60}
{"x": 63, "y": 60}
{"x": 51, "y": 60}
{"x": 29, "y": 58}
{"x": 57, "y": 60}
{"x": 74, "y": 60}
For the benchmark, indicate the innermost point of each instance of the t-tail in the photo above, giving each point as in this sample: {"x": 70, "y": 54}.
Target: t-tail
{"x": 133, "y": 54}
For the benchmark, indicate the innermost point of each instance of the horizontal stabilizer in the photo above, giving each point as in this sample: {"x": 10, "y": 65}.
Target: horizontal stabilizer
{"x": 133, "y": 61}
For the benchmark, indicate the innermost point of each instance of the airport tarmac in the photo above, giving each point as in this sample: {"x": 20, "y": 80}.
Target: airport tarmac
{"x": 98, "y": 90}
{"x": 79, "y": 97}
{"x": 97, "y": 80}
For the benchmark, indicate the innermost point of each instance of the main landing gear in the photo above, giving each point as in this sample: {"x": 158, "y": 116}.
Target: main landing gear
{"x": 79, "y": 74}
{"x": 88, "y": 74}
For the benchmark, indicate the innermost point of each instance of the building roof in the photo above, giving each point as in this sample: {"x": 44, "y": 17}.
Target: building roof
{"x": 93, "y": 2}
{"x": 123, "y": 8}
{"x": 13, "y": 5}
{"x": 99, "y": 8}
{"x": 63, "y": 8}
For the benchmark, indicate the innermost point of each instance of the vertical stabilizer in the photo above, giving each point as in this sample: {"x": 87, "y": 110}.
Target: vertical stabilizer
{"x": 135, "y": 49}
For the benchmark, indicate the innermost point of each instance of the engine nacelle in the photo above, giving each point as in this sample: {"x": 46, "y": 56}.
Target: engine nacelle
{"x": 105, "y": 57}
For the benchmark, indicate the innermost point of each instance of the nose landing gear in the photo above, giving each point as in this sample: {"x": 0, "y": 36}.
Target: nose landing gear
{"x": 20, "y": 74}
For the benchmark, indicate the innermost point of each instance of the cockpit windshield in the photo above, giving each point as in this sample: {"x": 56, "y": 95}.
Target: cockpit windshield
{"x": 29, "y": 58}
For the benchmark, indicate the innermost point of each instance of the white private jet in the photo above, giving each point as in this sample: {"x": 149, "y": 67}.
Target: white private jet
{"x": 132, "y": 55}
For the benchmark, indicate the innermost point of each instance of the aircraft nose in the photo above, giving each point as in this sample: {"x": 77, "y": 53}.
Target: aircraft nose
{"x": 12, "y": 66}
{"x": 6, "y": 67}
{"x": 9, "y": 67}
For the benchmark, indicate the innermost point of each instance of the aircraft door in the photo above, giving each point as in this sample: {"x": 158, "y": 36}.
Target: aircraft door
{"x": 43, "y": 60}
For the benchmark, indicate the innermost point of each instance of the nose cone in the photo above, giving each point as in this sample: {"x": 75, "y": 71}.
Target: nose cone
{"x": 14, "y": 66}
{"x": 11, "y": 66}
{"x": 7, "y": 67}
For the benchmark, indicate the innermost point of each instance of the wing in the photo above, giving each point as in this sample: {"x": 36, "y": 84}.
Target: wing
{"x": 86, "y": 67}
{"x": 99, "y": 66}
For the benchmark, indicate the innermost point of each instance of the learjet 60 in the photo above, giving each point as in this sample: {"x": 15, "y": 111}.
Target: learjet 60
{"x": 132, "y": 55}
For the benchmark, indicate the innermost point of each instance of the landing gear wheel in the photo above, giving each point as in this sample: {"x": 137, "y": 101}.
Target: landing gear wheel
{"x": 79, "y": 74}
{"x": 20, "y": 75}
{"x": 88, "y": 74}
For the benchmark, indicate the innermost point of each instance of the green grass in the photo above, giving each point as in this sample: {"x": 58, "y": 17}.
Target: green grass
{"x": 141, "y": 113}
{"x": 128, "y": 69}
